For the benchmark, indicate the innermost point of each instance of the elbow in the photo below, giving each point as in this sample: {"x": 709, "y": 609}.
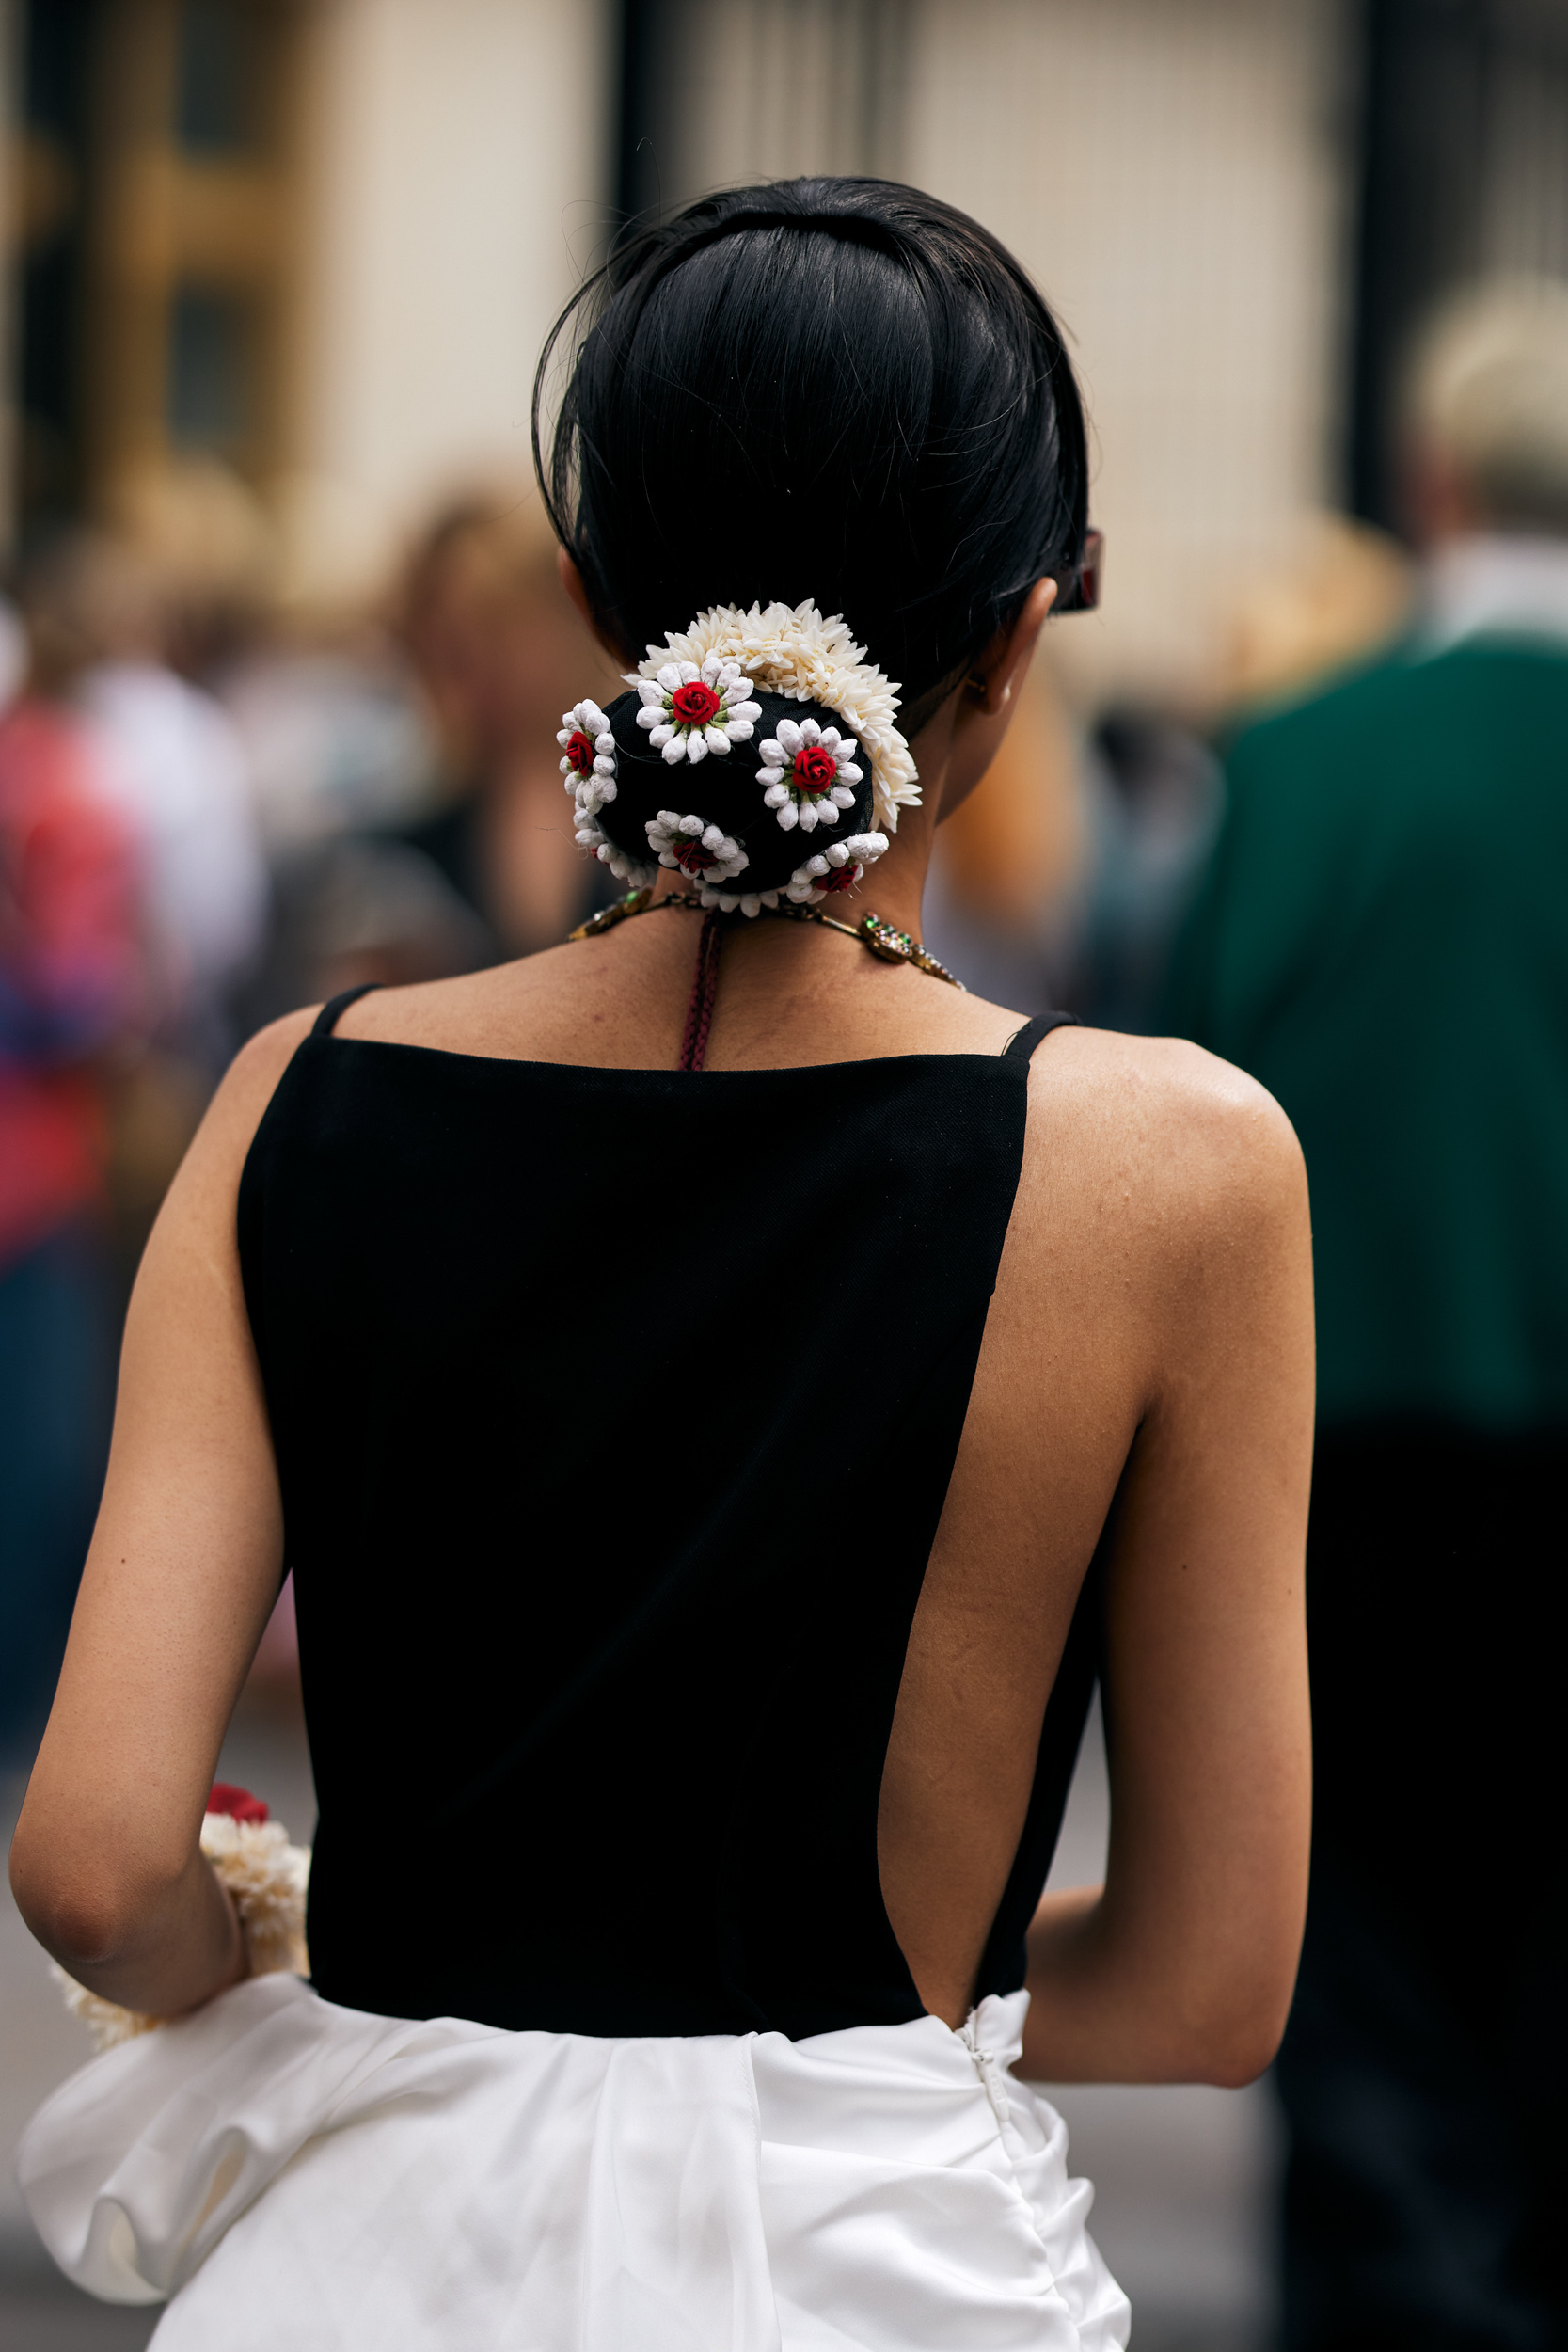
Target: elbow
{"x": 81, "y": 1916}
{"x": 1230, "y": 2063}
{"x": 1230, "y": 2046}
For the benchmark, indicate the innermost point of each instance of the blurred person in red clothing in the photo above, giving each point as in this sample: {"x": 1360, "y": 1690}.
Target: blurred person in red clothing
{"x": 70, "y": 989}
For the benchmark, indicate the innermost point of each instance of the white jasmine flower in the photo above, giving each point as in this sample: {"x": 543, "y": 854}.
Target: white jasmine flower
{"x": 808, "y": 773}
{"x": 793, "y": 651}
{"x": 748, "y": 901}
{"x": 592, "y": 835}
{"x": 691, "y": 708}
{"x": 839, "y": 866}
{"x": 692, "y": 846}
{"x": 589, "y": 765}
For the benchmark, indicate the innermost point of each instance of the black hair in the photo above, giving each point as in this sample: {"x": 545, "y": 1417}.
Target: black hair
{"x": 840, "y": 390}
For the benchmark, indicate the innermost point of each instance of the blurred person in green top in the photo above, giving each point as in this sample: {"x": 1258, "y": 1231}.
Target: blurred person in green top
{"x": 1382, "y": 939}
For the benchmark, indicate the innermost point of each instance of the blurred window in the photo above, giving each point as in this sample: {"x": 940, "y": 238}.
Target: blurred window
{"x": 211, "y": 108}
{"x": 207, "y": 368}
{"x": 158, "y": 224}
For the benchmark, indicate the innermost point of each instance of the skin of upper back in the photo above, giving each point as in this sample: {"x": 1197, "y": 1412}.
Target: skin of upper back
{"x": 1147, "y": 1348}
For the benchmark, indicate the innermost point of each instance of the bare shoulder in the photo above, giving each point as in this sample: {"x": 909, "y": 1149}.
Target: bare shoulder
{"x": 1161, "y": 1105}
{"x": 1177, "y": 1153}
{"x": 204, "y": 1191}
{"x": 252, "y": 1080}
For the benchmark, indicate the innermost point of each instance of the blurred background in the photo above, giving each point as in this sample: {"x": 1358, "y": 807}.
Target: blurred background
{"x": 280, "y": 622}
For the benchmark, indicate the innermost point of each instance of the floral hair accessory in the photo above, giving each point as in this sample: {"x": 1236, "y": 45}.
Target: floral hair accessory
{"x": 748, "y": 901}
{"x": 691, "y": 708}
{"x": 592, "y": 835}
{"x": 808, "y": 773}
{"x": 589, "y": 765}
{"x": 792, "y": 651}
{"x": 839, "y": 866}
{"x": 694, "y": 847}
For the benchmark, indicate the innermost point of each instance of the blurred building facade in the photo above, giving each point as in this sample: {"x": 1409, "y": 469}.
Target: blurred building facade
{"x": 318, "y": 241}
{"x": 321, "y": 240}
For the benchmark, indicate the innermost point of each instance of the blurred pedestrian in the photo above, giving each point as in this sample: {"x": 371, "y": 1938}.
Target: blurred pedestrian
{"x": 491, "y": 634}
{"x": 1383, "y": 941}
{"x": 70, "y": 990}
{"x": 174, "y": 763}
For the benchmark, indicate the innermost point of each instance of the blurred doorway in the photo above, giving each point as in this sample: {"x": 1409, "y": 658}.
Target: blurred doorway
{"x": 1465, "y": 171}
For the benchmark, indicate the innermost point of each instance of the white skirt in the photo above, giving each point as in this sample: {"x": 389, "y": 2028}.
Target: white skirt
{"x": 288, "y": 2172}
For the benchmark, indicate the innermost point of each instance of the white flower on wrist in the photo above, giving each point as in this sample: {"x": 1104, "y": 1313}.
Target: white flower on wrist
{"x": 839, "y": 866}
{"x": 589, "y": 765}
{"x": 693, "y": 847}
{"x": 592, "y": 835}
{"x": 808, "y": 772}
{"x": 690, "y": 709}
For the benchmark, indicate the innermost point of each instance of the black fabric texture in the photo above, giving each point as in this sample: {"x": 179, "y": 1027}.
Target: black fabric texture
{"x": 1424, "y": 2071}
{"x": 327, "y": 1020}
{"x": 1022, "y": 1045}
{"x": 614, "y": 1413}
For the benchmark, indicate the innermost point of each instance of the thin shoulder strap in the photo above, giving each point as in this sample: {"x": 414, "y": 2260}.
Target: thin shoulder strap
{"x": 327, "y": 1020}
{"x": 1021, "y": 1046}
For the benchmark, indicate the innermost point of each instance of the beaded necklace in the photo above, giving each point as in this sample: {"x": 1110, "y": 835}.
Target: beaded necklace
{"x": 883, "y": 939}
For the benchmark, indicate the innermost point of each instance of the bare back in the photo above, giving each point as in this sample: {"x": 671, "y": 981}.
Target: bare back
{"x": 1146, "y": 1173}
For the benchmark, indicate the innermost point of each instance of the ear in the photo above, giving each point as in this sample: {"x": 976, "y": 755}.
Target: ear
{"x": 976, "y": 715}
{"x": 571, "y": 581}
{"x": 1000, "y": 670}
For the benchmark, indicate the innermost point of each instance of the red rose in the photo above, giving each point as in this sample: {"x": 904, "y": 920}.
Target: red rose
{"x": 238, "y": 1804}
{"x": 694, "y": 857}
{"x": 838, "y": 877}
{"x": 814, "y": 770}
{"x": 694, "y": 705}
{"x": 579, "y": 753}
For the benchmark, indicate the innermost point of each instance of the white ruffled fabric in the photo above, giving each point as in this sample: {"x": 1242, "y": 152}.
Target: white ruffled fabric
{"x": 290, "y": 2172}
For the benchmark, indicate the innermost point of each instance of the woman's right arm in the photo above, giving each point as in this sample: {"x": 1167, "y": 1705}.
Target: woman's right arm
{"x": 1181, "y": 1968}
{"x": 182, "y": 1572}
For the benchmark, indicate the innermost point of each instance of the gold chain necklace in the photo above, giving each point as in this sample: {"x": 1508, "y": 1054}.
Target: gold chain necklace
{"x": 882, "y": 938}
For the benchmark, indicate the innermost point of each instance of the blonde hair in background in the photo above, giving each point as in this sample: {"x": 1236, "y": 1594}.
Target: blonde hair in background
{"x": 1343, "y": 591}
{"x": 1487, "y": 386}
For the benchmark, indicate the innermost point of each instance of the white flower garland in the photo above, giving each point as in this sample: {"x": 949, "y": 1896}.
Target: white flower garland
{"x": 592, "y": 835}
{"x": 748, "y": 901}
{"x": 791, "y": 650}
{"x": 839, "y": 866}
{"x": 808, "y": 774}
{"x": 693, "y": 847}
{"x": 589, "y": 765}
{"x": 691, "y": 708}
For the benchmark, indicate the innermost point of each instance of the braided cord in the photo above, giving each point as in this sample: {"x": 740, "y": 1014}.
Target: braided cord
{"x": 704, "y": 987}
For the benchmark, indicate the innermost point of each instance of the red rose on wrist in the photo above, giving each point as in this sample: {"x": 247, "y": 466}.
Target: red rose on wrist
{"x": 238, "y": 1804}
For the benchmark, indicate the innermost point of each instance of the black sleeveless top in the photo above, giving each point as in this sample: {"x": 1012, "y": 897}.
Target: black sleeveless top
{"x": 614, "y": 1411}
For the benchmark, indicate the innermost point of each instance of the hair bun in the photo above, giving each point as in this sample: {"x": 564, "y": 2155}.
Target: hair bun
{"x": 747, "y": 820}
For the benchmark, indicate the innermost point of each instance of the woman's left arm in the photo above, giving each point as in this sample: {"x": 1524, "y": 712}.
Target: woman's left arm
{"x": 182, "y": 1575}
